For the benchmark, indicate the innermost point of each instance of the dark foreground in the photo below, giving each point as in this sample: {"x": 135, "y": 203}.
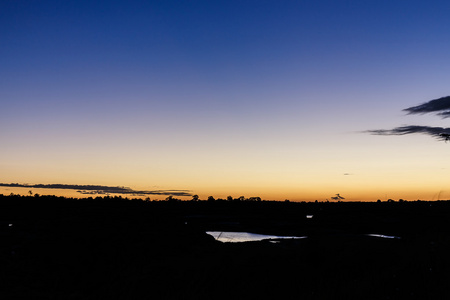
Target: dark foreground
{"x": 56, "y": 248}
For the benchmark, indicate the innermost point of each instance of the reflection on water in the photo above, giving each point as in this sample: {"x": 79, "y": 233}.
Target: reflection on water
{"x": 236, "y": 237}
{"x": 383, "y": 236}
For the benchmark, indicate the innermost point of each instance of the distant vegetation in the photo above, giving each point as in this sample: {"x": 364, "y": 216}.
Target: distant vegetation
{"x": 170, "y": 198}
{"x": 195, "y": 198}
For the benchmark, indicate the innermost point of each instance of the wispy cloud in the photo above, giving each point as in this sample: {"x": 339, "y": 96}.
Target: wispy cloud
{"x": 439, "y": 106}
{"x": 433, "y": 131}
{"x": 100, "y": 189}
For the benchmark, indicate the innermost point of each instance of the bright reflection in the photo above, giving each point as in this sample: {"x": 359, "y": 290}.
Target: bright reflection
{"x": 384, "y": 236}
{"x": 236, "y": 237}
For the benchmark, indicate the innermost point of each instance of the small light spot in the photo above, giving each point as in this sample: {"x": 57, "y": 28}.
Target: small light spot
{"x": 309, "y": 216}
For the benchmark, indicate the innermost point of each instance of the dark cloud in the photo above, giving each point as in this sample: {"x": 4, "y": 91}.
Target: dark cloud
{"x": 440, "y": 106}
{"x": 410, "y": 129}
{"x": 101, "y": 189}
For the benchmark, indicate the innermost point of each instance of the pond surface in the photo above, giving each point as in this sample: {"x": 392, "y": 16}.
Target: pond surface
{"x": 236, "y": 237}
{"x": 383, "y": 236}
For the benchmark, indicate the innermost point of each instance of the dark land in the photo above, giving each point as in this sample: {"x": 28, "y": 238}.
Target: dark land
{"x": 111, "y": 248}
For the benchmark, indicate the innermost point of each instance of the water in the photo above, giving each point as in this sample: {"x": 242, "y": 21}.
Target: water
{"x": 236, "y": 237}
{"x": 383, "y": 236}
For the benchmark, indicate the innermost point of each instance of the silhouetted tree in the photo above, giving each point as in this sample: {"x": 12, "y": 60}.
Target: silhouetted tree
{"x": 211, "y": 198}
{"x": 195, "y": 198}
{"x": 254, "y": 199}
{"x": 171, "y": 199}
{"x": 229, "y": 198}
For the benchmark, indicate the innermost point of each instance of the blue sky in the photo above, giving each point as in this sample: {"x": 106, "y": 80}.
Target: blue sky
{"x": 262, "y": 98}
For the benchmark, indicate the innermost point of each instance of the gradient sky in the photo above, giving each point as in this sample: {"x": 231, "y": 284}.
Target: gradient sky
{"x": 253, "y": 98}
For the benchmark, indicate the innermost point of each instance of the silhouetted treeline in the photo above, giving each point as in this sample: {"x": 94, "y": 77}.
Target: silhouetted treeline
{"x": 212, "y": 199}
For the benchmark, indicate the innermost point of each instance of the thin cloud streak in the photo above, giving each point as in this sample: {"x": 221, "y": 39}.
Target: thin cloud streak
{"x": 100, "y": 189}
{"x": 411, "y": 129}
{"x": 441, "y": 106}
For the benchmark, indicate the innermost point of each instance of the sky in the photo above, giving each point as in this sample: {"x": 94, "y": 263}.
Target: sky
{"x": 276, "y": 99}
